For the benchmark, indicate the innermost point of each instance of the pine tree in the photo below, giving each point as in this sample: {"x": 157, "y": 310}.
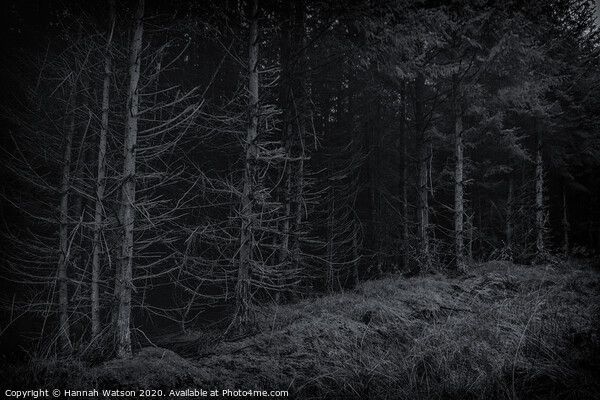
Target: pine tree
{"x": 128, "y": 193}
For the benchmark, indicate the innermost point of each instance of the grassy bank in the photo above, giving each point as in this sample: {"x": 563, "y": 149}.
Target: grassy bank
{"x": 505, "y": 331}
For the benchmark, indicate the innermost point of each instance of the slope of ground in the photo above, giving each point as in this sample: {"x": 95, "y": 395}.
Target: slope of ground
{"x": 505, "y": 331}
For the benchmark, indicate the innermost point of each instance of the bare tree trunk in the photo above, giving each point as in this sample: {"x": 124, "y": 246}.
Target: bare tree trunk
{"x": 330, "y": 280}
{"x": 300, "y": 107}
{"x": 598, "y": 237}
{"x": 286, "y": 106}
{"x": 63, "y": 257}
{"x": 470, "y": 229}
{"x": 243, "y": 294}
{"x": 509, "y": 211}
{"x": 117, "y": 277}
{"x": 100, "y": 179}
{"x": 292, "y": 102}
{"x": 355, "y": 257}
{"x": 458, "y": 177}
{"x": 128, "y": 189}
{"x": 539, "y": 192}
{"x": 422, "y": 190}
{"x": 404, "y": 133}
{"x": 374, "y": 190}
{"x": 299, "y": 195}
{"x": 79, "y": 210}
{"x": 284, "y": 250}
{"x": 565, "y": 222}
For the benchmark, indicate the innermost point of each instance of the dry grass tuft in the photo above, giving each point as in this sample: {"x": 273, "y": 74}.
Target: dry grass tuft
{"x": 504, "y": 332}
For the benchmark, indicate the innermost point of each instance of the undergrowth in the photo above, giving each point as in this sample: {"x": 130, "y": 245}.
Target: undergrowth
{"x": 505, "y": 331}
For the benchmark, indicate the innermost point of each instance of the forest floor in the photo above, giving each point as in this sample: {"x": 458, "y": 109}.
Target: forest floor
{"x": 504, "y": 331}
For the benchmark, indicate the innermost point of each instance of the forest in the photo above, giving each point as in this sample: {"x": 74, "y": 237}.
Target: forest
{"x": 349, "y": 199}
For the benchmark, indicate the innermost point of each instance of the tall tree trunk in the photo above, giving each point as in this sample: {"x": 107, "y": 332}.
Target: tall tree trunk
{"x": 403, "y": 138}
{"x": 286, "y": 107}
{"x": 100, "y": 179}
{"x": 565, "y": 222}
{"x": 597, "y": 243}
{"x": 128, "y": 189}
{"x": 355, "y": 256}
{"x": 458, "y": 177}
{"x": 242, "y": 292}
{"x": 284, "y": 249}
{"x": 330, "y": 277}
{"x": 422, "y": 167}
{"x": 79, "y": 208}
{"x": 539, "y": 191}
{"x": 374, "y": 189}
{"x": 63, "y": 256}
{"x": 509, "y": 212}
{"x": 598, "y": 225}
{"x": 470, "y": 230}
{"x": 299, "y": 196}
{"x": 300, "y": 101}
{"x": 292, "y": 102}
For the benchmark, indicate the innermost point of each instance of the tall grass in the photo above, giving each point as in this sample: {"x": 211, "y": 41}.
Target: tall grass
{"x": 504, "y": 332}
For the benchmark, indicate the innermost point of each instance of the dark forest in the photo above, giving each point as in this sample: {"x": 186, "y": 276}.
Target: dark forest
{"x": 310, "y": 199}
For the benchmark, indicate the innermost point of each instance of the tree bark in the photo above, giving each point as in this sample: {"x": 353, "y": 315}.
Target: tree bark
{"x": 128, "y": 189}
{"x": 458, "y": 177}
{"x": 242, "y": 292}
{"x": 422, "y": 167}
{"x": 299, "y": 104}
{"x": 284, "y": 249}
{"x": 330, "y": 276}
{"x": 286, "y": 107}
{"x": 292, "y": 102}
{"x": 355, "y": 256}
{"x": 565, "y": 222}
{"x": 470, "y": 230}
{"x": 539, "y": 192}
{"x": 403, "y": 134}
{"x": 63, "y": 257}
{"x": 100, "y": 179}
{"x": 509, "y": 212}
{"x": 374, "y": 189}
